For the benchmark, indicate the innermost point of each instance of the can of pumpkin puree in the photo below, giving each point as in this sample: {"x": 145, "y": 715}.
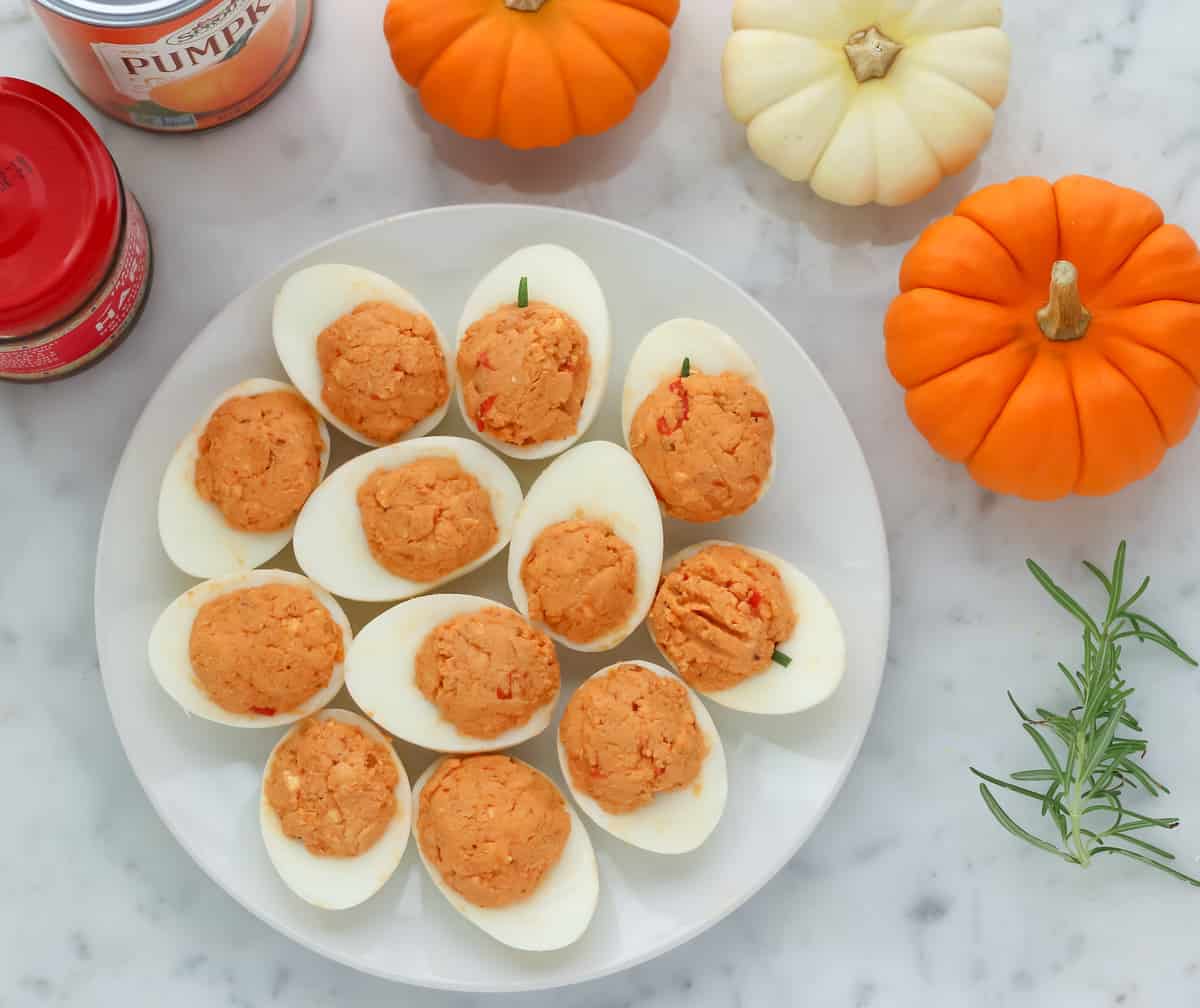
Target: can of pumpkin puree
{"x": 177, "y": 65}
{"x": 74, "y": 247}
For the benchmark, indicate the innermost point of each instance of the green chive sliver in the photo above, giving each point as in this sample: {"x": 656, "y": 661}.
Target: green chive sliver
{"x": 779, "y": 658}
{"x": 523, "y": 293}
{"x": 687, "y": 367}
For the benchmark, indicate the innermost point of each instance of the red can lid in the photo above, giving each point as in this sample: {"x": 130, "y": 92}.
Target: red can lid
{"x": 60, "y": 208}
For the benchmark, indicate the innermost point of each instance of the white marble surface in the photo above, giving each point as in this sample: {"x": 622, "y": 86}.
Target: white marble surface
{"x": 908, "y": 893}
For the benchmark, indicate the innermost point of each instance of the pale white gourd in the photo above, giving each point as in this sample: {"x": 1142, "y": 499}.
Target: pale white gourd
{"x": 869, "y": 101}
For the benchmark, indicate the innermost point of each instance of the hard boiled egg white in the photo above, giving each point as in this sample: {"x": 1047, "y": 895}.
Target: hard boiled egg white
{"x": 194, "y": 533}
{"x": 172, "y": 665}
{"x": 554, "y": 915}
{"x": 337, "y": 883}
{"x": 312, "y": 300}
{"x": 381, "y": 676}
{"x": 817, "y": 647}
{"x": 597, "y": 480}
{"x": 661, "y": 354}
{"x": 560, "y": 278}
{"x": 331, "y": 546}
{"x": 674, "y": 822}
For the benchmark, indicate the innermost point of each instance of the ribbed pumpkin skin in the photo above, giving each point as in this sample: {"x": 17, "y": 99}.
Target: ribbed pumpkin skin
{"x": 1032, "y": 416}
{"x": 530, "y": 79}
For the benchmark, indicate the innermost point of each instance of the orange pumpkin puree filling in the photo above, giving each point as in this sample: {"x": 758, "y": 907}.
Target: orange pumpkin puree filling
{"x": 383, "y": 370}
{"x": 426, "y": 519}
{"x": 487, "y": 672}
{"x": 524, "y": 373}
{"x": 333, "y": 787}
{"x": 492, "y": 827}
{"x": 718, "y": 616}
{"x": 259, "y": 459}
{"x": 705, "y": 444}
{"x": 630, "y": 735}
{"x": 264, "y": 650}
{"x": 580, "y": 578}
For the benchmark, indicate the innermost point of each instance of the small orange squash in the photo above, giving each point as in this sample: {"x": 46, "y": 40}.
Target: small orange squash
{"x": 533, "y": 73}
{"x": 1081, "y": 390}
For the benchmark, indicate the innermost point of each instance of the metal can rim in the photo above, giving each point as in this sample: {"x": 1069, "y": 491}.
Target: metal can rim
{"x": 121, "y": 13}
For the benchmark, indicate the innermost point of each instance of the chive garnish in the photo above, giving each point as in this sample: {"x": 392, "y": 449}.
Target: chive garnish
{"x": 687, "y": 367}
{"x": 523, "y": 293}
{"x": 779, "y": 658}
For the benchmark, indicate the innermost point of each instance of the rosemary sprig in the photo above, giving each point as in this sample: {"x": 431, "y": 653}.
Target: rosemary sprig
{"x": 1090, "y": 751}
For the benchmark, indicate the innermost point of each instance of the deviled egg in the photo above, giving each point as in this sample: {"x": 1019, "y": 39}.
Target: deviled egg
{"x": 364, "y": 352}
{"x": 534, "y": 345}
{"x": 643, "y": 759}
{"x": 401, "y": 520}
{"x": 455, "y": 673}
{"x": 263, "y": 648}
{"x": 503, "y": 846}
{"x": 696, "y": 417}
{"x": 587, "y": 548}
{"x": 232, "y": 490}
{"x": 335, "y": 809}
{"x": 747, "y": 629}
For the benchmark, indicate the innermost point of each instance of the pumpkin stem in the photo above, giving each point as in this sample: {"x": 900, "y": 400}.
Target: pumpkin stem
{"x": 533, "y": 6}
{"x": 1064, "y": 317}
{"x": 871, "y": 53}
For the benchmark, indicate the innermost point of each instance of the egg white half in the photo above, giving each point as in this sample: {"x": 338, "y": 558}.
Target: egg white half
{"x": 555, "y": 914}
{"x": 312, "y": 300}
{"x": 596, "y": 480}
{"x": 331, "y": 547}
{"x": 171, "y": 663}
{"x": 661, "y": 353}
{"x": 817, "y": 646}
{"x": 194, "y": 533}
{"x": 557, "y": 276}
{"x": 381, "y": 676}
{"x": 336, "y": 883}
{"x": 674, "y": 822}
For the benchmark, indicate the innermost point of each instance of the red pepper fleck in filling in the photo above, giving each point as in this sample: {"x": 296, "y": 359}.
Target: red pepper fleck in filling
{"x": 664, "y": 427}
{"x": 755, "y": 598}
{"x": 484, "y": 406}
{"x": 758, "y": 414}
{"x": 485, "y": 362}
{"x": 264, "y": 711}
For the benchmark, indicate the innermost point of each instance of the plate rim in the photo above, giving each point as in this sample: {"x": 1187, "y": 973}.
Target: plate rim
{"x": 686, "y": 934}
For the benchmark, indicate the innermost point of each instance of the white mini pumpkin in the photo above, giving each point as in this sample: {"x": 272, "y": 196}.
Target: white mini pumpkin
{"x": 870, "y": 101}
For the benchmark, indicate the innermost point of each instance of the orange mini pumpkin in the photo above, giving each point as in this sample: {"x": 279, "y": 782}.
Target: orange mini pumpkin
{"x": 533, "y": 73}
{"x": 1078, "y": 391}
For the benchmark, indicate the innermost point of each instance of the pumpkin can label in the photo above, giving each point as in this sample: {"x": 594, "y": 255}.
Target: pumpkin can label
{"x": 216, "y": 62}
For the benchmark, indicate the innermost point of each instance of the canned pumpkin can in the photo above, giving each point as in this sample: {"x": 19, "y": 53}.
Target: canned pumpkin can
{"x": 74, "y": 246}
{"x": 177, "y": 65}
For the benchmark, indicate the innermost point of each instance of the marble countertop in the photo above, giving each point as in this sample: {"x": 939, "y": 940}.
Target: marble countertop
{"x": 908, "y": 892}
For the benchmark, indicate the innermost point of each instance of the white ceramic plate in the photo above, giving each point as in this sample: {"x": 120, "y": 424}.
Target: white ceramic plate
{"x": 821, "y": 513}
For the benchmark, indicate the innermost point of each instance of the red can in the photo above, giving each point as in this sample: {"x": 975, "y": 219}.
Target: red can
{"x": 75, "y": 259}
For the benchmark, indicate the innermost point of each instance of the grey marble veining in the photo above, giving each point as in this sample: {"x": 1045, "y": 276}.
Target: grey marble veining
{"x": 908, "y": 893}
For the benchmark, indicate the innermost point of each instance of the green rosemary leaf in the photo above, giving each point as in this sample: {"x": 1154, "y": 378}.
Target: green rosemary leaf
{"x": 1100, "y": 575}
{"x": 686, "y": 370}
{"x": 1128, "y": 603}
{"x": 1006, "y": 785}
{"x": 779, "y": 658}
{"x": 1148, "y": 861}
{"x": 1017, "y": 707}
{"x": 1007, "y": 822}
{"x": 1034, "y": 775}
{"x": 1062, "y": 598}
{"x": 1044, "y": 746}
{"x": 523, "y": 292}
